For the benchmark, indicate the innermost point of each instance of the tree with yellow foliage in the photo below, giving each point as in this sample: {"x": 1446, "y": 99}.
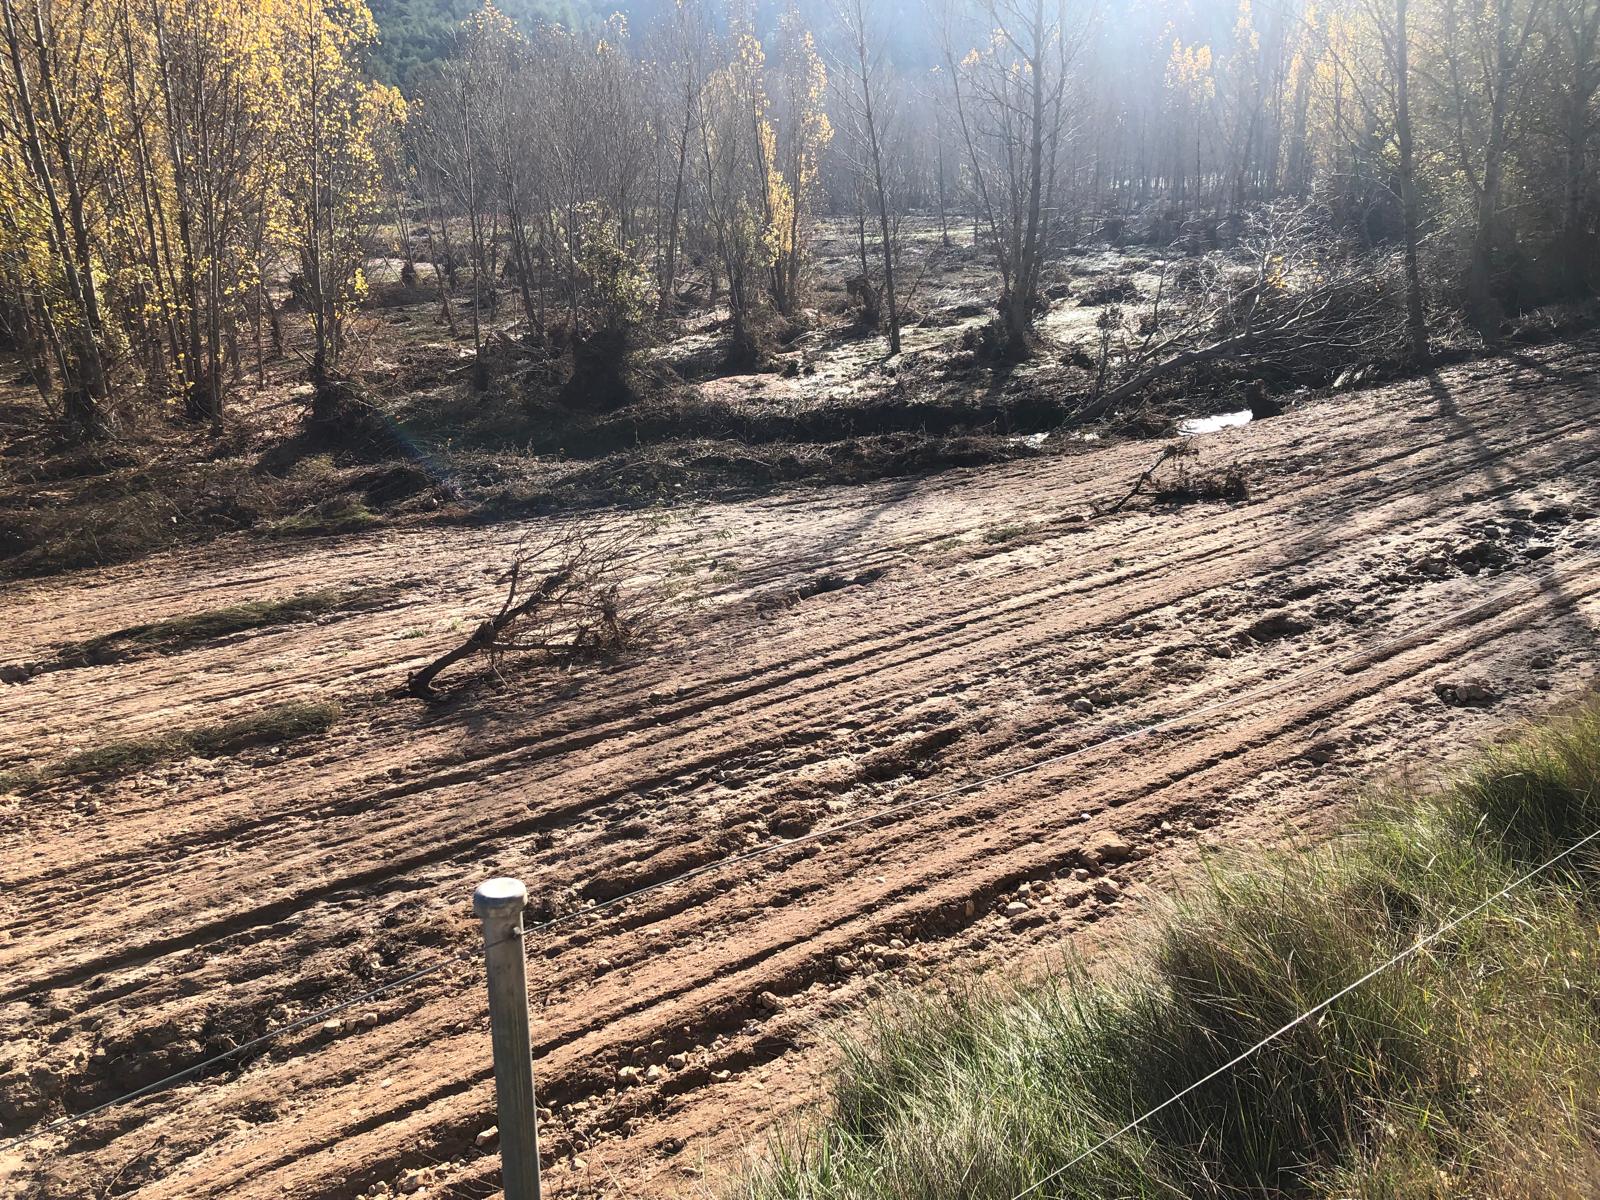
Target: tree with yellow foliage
{"x": 792, "y": 145}
{"x": 157, "y": 159}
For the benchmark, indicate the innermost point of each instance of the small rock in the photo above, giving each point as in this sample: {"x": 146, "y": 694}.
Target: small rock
{"x": 1073, "y": 894}
{"x": 1081, "y": 874}
{"x": 332, "y": 1027}
{"x": 487, "y": 1137}
{"x": 1107, "y": 847}
{"x": 770, "y": 1001}
{"x": 1083, "y": 705}
{"x": 678, "y": 1061}
{"x": 367, "y": 1020}
{"x": 721, "y": 1076}
{"x": 654, "y": 1074}
{"x": 1323, "y": 752}
{"x": 627, "y": 1076}
{"x": 1107, "y": 889}
{"x": 1016, "y": 908}
{"x": 1466, "y": 693}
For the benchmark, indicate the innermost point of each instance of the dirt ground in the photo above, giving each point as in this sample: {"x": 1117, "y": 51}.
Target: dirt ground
{"x": 1415, "y": 568}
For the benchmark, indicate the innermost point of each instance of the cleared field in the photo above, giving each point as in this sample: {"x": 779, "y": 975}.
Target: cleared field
{"x": 1414, "y": 566}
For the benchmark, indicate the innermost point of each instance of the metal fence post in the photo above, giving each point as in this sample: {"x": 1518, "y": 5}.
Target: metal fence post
{"x": 499, "y": 904}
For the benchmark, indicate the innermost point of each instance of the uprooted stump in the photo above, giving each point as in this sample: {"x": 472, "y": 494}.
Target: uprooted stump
{"x": 565, "y": 600}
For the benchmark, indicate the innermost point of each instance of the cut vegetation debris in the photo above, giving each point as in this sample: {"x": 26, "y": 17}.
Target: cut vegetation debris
{"x": 1469, "y": 1068}
{"x": 280, "y": 723}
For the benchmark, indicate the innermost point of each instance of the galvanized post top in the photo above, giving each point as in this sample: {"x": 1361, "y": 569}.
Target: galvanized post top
{"x": 499, "y": 897}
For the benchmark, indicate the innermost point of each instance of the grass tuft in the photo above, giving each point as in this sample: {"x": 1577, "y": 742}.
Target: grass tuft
{"x": 1469, "y": 1069}
{"x": 158, "y": 637}
{"x": 280, "y": 723}
{"x": 342, "y": 514}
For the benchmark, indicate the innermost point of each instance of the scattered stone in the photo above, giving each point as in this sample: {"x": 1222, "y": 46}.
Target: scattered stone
{"x": 332, "y": 1027}
{"x": 1323, "y": 752}
{"x": 770, "y": 1001}
{"x": 1081, "y": 874}
{"x": 367, "y": 1020}
{"x": 627, "y": 1076}
{"x": 1016, "y": 908}
{"x": 654, "y": 1074}
{"x": 678, "y": 1061}
{"x": 1467, "y": 693}
{"x": 487, "y": 1138}
{"x": 1083, "y": 705}
{"x": 1433, "y": 564}
{"x": 1107, "y": 847}
{"x": 721, "y": 1076}
{"x": 1107, "y": 888}
{"x": 1073, "y": 894}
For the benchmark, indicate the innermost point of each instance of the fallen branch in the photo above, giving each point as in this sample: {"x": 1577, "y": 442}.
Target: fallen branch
{"x": 1167, "y": 453}
{"x": 577, "y": 607}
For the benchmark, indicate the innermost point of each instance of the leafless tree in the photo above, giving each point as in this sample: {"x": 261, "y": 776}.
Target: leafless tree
{"x": 1011, "y": 102}
{"x": 870, "y": 99}
{"x": 1300, "y": 293}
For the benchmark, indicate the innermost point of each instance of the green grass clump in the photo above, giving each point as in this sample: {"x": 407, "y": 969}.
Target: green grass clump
{"x": 179, "y": 632}
{"x": 280, "y": 723}
{"x": 342, "y": 514}
{"x": 1003, "y": 534}
{"x": 1470, "y": 1069}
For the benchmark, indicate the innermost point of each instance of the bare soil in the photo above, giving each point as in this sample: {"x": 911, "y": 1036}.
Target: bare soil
{"x": 1414, "y": 568}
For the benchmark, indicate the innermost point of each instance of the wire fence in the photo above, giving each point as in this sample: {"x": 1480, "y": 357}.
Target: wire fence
{"x": 1315, "y": 1010}
{"x": 835, "y": 831}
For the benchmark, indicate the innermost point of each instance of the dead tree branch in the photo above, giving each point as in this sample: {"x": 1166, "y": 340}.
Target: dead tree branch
{"x": 567, "y": 597}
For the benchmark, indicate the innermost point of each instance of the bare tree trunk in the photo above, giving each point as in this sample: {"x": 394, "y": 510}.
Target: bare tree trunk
{"x": 864, "y": 73}
{"x": 669, "y": 274}
{"x": 1416, "y": 319}
{"x": 87, "y": 384}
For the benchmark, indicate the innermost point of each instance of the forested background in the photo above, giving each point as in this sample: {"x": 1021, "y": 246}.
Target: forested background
{"x": 193, "y": 187}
